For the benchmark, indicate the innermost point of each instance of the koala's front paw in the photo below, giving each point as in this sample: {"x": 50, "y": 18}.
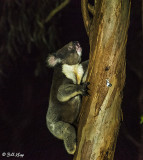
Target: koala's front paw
{"x": 85, "y": 89}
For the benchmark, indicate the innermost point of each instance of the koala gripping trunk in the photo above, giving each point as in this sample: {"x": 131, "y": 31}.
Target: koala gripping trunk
{"x": 100, "y": 115}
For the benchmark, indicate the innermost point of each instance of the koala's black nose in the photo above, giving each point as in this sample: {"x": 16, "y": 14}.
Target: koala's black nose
{"x": 76, "y": 43}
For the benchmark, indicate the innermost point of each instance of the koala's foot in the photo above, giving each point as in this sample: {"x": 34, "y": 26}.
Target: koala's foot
{"x": 66, "y": 132}
{"x": 85, "y": 88}
{"x": 70, "y": 145}
{"x": 70, "y": 140}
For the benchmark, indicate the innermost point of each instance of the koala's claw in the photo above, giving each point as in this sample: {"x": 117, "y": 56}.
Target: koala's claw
{"x": 87, "y": 83}
{"x": 85, "y": 89}
{"x": 86, "y": 94}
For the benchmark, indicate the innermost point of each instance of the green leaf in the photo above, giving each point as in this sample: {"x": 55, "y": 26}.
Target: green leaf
{"x": 141, "y": 119}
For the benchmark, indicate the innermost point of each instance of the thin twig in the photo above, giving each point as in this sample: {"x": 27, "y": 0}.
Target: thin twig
{"x": 56, "y": 10}
{"x": 134, "y": 141}
{"x": 91, "y": 9}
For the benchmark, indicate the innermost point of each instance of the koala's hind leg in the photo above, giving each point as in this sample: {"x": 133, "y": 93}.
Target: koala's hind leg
{"x": 66, "y": 132}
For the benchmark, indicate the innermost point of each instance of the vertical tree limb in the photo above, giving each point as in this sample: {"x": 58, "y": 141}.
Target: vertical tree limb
{"x": 86, "y": 17}
{"x": 101, "y": 112}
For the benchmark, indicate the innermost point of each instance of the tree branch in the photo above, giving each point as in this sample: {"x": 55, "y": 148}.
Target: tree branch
{"x": 91, "y": 9}
{"x": 56, "y": 10}
{"x": 101, "y": 112}
{"x": 85, "y": 14}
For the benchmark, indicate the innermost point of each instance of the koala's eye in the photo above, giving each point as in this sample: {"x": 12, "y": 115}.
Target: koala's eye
{"x": 70, "y": 48}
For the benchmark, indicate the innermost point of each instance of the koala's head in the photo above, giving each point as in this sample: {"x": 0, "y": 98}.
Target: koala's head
{"x": 70, "y": 54}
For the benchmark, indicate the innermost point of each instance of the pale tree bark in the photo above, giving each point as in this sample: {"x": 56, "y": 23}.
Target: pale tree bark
{"x": 99, "y": 121}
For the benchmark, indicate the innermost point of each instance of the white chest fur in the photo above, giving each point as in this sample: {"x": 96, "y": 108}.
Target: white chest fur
{"x": 73, "y": 72}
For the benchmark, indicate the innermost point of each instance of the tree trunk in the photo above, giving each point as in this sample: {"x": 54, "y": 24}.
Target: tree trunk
{"x": 100, "y": 116}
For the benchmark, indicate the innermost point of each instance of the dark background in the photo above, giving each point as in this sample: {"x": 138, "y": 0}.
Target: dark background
{"x": 25, "y": 80}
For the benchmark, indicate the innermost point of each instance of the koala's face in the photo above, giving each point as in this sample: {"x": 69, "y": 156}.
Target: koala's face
{"x": 69, "y": 54}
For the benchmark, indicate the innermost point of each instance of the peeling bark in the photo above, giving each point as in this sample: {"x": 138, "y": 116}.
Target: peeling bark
{"x": 101, "y": 112}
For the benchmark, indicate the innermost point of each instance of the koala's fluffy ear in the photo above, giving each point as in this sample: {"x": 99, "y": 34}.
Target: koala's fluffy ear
{"x": 52, "y": 60}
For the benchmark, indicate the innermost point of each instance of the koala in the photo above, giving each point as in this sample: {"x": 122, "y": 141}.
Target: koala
{"x": 68, "y": 85}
